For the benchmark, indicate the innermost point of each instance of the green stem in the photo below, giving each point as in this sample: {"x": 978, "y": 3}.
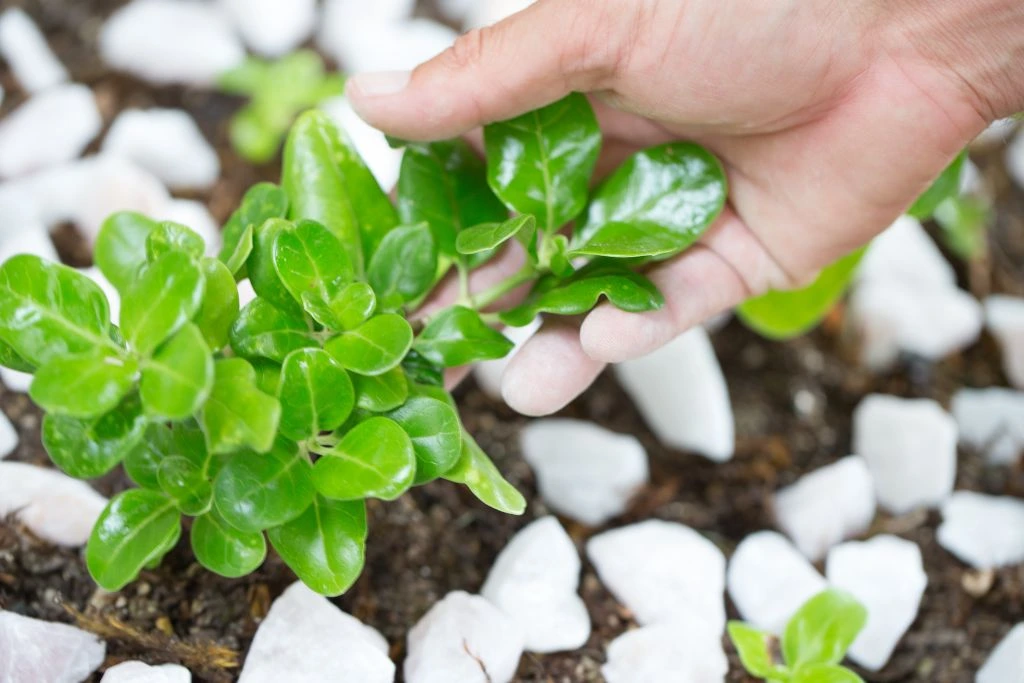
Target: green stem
{"x": 489, "y": 296}
{"x": 465, "y": 295}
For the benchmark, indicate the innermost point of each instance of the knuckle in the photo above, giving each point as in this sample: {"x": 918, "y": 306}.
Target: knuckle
{"x": 468, "y": 50}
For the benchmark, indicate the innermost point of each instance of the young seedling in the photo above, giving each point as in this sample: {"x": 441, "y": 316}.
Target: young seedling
{"x": 278, "y": 420}
{"x": 813, "y": 645}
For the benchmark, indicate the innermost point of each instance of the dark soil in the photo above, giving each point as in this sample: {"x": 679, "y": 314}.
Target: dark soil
{"x": 438, "y": 538}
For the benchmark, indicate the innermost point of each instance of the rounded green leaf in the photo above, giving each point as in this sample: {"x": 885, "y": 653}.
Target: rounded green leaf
{"x": 405, "y": 263}
{"x": 262, "y": 271}
{"x": 142, "y": 462}
{"x": 256, "y": 491}
{"x": 121, "y": 247}
{"x": 237, "y": 414}
{"x": 86, "y": 449}
{"x": 264, "y": 331}
{"x": 382, "y": 392}
{"x": 326, "y": 545}
{"x": 316, "y": 394}
{"x": 374, "y": 347}
{"x": 945, "y": 186}
{"x": 824, "y": 673}
{"x": 225, "y": 550}
{"x": 166, "y": 296}
{"x": 252, "y": 136}
{"x": 481, "y": 238}
{"x": 268, "y": 375}
{"x": 310, "y": 260}
{"x": 178, "y": 378}
{"x": 85, "y": 385}
{"x": 823, "y": 629}
{"x": 374, "y": 460}
{"x": 479, "y": 474}
{"x": 458, "y": 336}
{"x": 237, "y": 246}
{"x": 261, "y": 202}
{"x": 436, "y": 434}
{"x": 353, "y": 305}
{"x": 170, "y": 236}
{"x": 186, "y": 484}
{"x": 9, "y": 358}
{"x": 134, "y": 529}
{"x": 220, "y": 304}
{"x": 752, "y": 646}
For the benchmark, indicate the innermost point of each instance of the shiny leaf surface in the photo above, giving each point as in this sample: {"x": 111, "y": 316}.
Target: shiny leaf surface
{"x": 225, "y": 550}
{"x": 265, "y": 331}
{"x": 374, "y": 347}
{"x": 121, "y": 247}
{"x": 166, "y": 296}
{"x": 237, "y": 414}
{"x": 405, "y": 263}
{"x": 316, "y": 394}
{"x": 436, "y": 434}
{"x": 478, "y": 473}
{"x": 85, "y": 385}
{"x": 178, "y": 378}
{"x": 86, "y": 449}
{"x": 458, "y": 336}
{"x": 375, "y": 459}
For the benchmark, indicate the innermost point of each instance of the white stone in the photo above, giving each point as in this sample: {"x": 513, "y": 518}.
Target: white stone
{"x": 971, "y": 180}
{"x": 48, "y": 197}
{"x": 488, "y": 374}
{"x": 1004, "y": 318}
{"x": 769, "y": 580}
{"x": 455, "y": 10}
{"x": 51, "y": 127}
{"x": 488, "y": 12}
{"x": 663, "y": 572}
{"x": 54, "y": 506}
{"x": 910, "y": 448}
{"x": 583, "y": 470}
{"x": 245, "y": 293}
{"x": 168, "y": 144}
{"x": 383, "y": 161}
{"x": 681, "y": 392}
{"x": 116, "y": 184}
{"x": 113, "y": 296}
{"x": 140, "y": 672}
{"x": 273, "y": 27}
{"x": 991, "y": 421}
{"x": 983, "y": 531}
{"x": 343, "y": 13}
{"x": 905, "y": 253}
{"x": 827, "y": 506}
{"x": 684, "y": 651}
{"x": 1006, "y": 662}
{"x": 306, "y": 638}
{"x": 459, "y": 638}
{"x": 193, "y": 214}
{"x": 171, "y": 41}
{"x": 378, "y": 45}
{"x": 886, "y": 575}
{"x": 32, "y": 650}
{"x": 8, "y": 437}
{"x": 15, "y": 381}
{"x": 25, "y": 49}
{"x": 29, "y": 238}
{"x": 997, "y": 134}
{"x": 1015, "y": 159}
{"x": 534, "y": 581}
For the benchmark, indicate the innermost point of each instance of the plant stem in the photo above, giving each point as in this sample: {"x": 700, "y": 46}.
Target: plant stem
{"x": 465, "y": 295}
{"x": 489, "y": 296}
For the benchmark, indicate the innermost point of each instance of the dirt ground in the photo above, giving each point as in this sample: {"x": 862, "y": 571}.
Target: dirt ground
{"x": 438, "y": 538}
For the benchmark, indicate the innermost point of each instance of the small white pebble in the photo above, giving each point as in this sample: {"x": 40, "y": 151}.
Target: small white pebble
{"x": 27, "y": 238}
{"x": 54, "y": 506}
{"x": 37, "y": 651}
{"x": 1004, "y": 318}
{"x": 52, "y": 127}
{"x": 140, "y": 672}
{"x": 273, "y": 27}
{"x": 684, "y": 651}
{"x": 378, "y": 45}
{"x": 193, "y": 214}
{"x": 14, "y": 381}
{"x": 1015, "y": 159}
{"x": 1006, "y": 662}
{"x": 23, "y": 46}
{"x": 8, "y": 437}
{"x": 984, "y": 531}
{"x": 116, "y": 184}
{"x": 488, "y": 12}
{"x": 997, "y": 134}
{"x": 905, "y": 252}
{"x": 991, "y": 421}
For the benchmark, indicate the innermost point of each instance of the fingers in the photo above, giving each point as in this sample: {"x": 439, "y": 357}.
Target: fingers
{"x": 522, "y": 63}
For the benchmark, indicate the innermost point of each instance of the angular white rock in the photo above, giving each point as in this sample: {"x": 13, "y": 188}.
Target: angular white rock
{"x": 8, "y": 437}
{"x": 991, "y": 421}
{"x": 116, "y": 184}
{"x": 48, "y": 197}
{"x": 829, "y": 505}
{"x": 140, "y": 672}
{"x": 1004, "y": 318}
{"x": 1015, "y": 159}
{"x": 684, "y": 651}
{"x": 245, "y": 293}
{"x": 193, "y": 214}
{"x": 488, "y": 12}
{"x": 997, "y": 134}
{"x": 534, "y": 581}
{"x": 339, "y": 14}
{"x": 910, "y": 448}
{"x": 306, "y": 638}
{"x": 51, "y": 127}
{"x": 905, "y": 253}
{"x": 1006, "y": 662}
{"x": 31, "y": 238}
{"x": 168, "y": 144}
{"x": 886, "y": 575}
{"x": 272, "y": 27}
{"x": 36, "y": 650}
{"x": 171, "y": 41}
{"x": 458, "y": 638}
{"x": 983, "y": 531}
{"x": 378, "y": 45}
{"x": 54, "y": 506}
{"x": 583, "y": 470}
{"x": 25, "y": 49}
{"x": 663, "y": 572}
{"x": 383, "y": 161}
{"x": 769, "y": 580}
{"x": 488, "y": 374}
{"x": 15, "y": 381}
{"x": 681, "y": 392}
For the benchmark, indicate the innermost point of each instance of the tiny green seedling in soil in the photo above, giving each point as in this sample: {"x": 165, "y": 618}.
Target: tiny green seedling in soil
{"x": 813, "y": 645}
{"x": 276, "y": 421}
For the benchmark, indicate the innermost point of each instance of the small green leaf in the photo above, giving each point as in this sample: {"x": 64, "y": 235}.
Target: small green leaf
{"x": 373, "y": 460}
{"x": 134, "y": 529}
{"x": 256, "y": 491}
{"x": 436, "y": 434}
{"x": 374, "y": 347}
{"x": 964, "y": 221}
{"x": 261, "y": 202}
{"x": 121, "y": 247}
{"x": 823, "y": 629}
{"x": 185, "y": 484}
{"x": 9, "y": 358}
{"x": 165, "y": 297}
{"x": 225, "y": 550}
{"x": 220, "y": 303}
{"x": 489, "y": 236}
{"x": 236, "y": 252}
{"x": 170, "y": 236}
{"x": 264, "y": 331}
{"x": 142, "y": 462}
{"x": 177, "y": 380}
{"x": 268, "y": 375}
{"x": 752, "y": 646}
{"x": 405, "y": 263}
{"x": 316, "y": 394}
{"x": 458, "y": 336}
{"x": 85, "y": 385}
{"x": 540, "y": 163}
{"x": 626, "y": 240}
{"x": 824, "y": 673}
{"x": 353, "y": 305}
{"x": 420, "y": 369}
{"x": 237, "y": 414}
{"x": 310, "y": 261}
{"x": 478, "y": 473}
{"x": 381, "y": 393}
{"x": 86, "y": 449}
{"x": 253, "y": 136}
{"x": 262, "y": 270}
{"x": 945, "y": 186}
{"x": 326, "y": 545}
{"x": 168, "y": 545}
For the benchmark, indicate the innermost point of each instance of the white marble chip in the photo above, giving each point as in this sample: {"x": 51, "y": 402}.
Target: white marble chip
{"x": 905, "y": 253}
{"x": 51, "y": 127}
{"x": 273, "y": 27}
{"x": 8, "y": 437}
{"x": 379, "y": 45}
{"x": 683, "y": 651}
{"x": 36, "y": 651}
{"x": 1004, "y": 318}
{"x": 25, "y": 49}
{"x": 1015, "y": 159}
{"x": 51, "y": 504}
{"x": 983, "y": 531}
{"x": 1006, "y": 662}
{"x": 991, "y": 421}
{"x": 487, "y": 12}
{"x": 140, "y": 672}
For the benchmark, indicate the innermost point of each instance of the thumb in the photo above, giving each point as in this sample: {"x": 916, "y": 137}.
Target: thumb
{"x": 528, "y": 60}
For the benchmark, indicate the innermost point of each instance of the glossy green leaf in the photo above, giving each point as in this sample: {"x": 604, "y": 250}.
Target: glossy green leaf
{"x": 142, "y": 462}
{"x": 237, "y": 414}
{"x": 178, "y": 378}
{"x": 436, "y": 434}
{"x": 261, "y": 202}
{"x": 374, "y": 347}
{"x": 488, "y": 236}
{"x": 9, "y": 358}
{"x": 263, "y": 271}
{"x": 381, "y": 393}
{"x": 168, "y": 545}
{"x": 824, "y": 673}
{"x": 121, "y": 247}
{"x": 268, "y": 375}
{"x": 170, "y": 236}
{"x": 375, "y": 459}
{"x": 478, "y": 473}
{"x": 309, "y": 258}
{"x": 316, "y": 394}
{"x": 48, "y": 310}
{"x": 220, "y": 304}
{"x": 540, "y": 163}
{"x": 84, "y": 385}
{"x": 134, "y": 529}
{"x": 405, "y": 263}
{"x": 752, "y": 646}
{"x": 326, "y": 545}
{"x": 964, "y": 221}
{"x": 186, "y": 484}
{"x": 264, "y": 331}
{"x": 787, "y": 314}
{"x": 256, "y": 491}
{"x": 945, "y": 186}
{"x": 422, "y": 370}
{"x": 823, "y": 629}
{"x": 86, "y": 449}
{"x": 166, "y": 296}
{"x": 353, "y": 305}
{"x": 660, "y": 201}
{"x": 458, "y": 336}
{"x": 253, "y": 136}
{"x": 225, "y": 550}
{"x": 235, "y": 253}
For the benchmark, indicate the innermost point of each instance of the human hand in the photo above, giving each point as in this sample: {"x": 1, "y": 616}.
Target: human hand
{"x": 830, "y": 117}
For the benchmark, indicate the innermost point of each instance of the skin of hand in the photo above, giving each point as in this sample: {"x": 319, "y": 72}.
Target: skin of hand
{"x": 830, "y": 117}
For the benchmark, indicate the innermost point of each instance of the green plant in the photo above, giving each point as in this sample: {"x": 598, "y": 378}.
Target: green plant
{"x": 813, "y": 645}
{"x": 278, "y": 420}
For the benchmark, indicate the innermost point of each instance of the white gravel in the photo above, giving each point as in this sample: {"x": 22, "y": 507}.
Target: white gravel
{"x": 983, "y": 531}
{"x": 25, "y": 49}
{"x": 36, "y": 651}
{"x": 51, "y": 127}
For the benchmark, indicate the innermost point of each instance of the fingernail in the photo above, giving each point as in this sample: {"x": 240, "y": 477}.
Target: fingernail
{"x": 378, "y": 83}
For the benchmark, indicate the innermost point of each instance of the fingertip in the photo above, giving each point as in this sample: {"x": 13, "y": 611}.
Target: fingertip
{"x": 611, "y": 335}
{"x": 548, "y": 372}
